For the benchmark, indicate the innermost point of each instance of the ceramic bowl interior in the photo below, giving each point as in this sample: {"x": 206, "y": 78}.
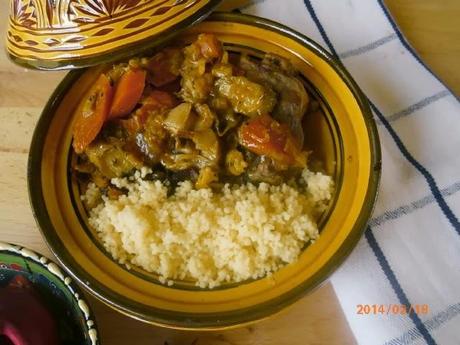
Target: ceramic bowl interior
{"x": 322, "y": 139}
{"x": 342, "y": 137}
{"x": 65, "y": 301}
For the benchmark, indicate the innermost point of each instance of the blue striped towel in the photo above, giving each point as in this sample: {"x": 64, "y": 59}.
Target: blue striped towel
{"x": 410, "y": 254}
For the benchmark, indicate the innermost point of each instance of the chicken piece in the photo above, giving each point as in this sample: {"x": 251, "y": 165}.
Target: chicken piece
{"x": 196, "y": 82}
{"x": 245, "y": 96}
{"x": 111, "y": 160}
{"x": 196, "y": 88}
{"x": 293, "y": 99}
{"x": 152, "y": 140}
{"x": 164, "y": 67}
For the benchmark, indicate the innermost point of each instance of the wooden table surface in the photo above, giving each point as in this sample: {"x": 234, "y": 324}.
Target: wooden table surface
{"x": 432, "y": 28}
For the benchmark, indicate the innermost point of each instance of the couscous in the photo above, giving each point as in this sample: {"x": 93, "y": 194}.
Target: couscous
{"x": 238, "y": 233}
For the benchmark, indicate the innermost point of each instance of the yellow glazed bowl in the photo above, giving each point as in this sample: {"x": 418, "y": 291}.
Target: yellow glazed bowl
{"x": 344, "y": 138}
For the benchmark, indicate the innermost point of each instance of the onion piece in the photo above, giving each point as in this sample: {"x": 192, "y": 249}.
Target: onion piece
{"x": 179, "y": 118}
{"x": 206, "y": 141}
{"x": 206, "y": 117}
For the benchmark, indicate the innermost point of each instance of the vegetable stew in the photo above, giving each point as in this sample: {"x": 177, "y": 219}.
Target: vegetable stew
{"x": 197, "y": 113}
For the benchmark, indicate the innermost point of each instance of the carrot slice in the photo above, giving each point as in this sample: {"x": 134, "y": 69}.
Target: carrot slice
{"x": 265, "y": 136}
{"x": 92, "y": 113}
{"x": 128, "y": 92}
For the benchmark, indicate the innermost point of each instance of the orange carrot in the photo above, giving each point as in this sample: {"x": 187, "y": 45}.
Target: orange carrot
{"x": 128, "y": 92}
{"x": 92, "y": 113}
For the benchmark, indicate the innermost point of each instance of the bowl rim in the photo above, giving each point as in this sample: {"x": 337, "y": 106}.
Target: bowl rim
{"x": 29, "y": 255}
{"x": 213, "y": 321}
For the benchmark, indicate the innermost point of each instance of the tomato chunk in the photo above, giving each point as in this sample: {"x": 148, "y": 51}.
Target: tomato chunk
{"x": 165, "y": 67}
{"x": 92, "y": 113}
{"x": 128, "y": 92}
{"x": 157, "y": 98}
{"x": 265, "y": 136}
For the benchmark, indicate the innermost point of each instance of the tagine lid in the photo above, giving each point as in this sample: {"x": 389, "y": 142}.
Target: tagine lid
{"x": 68, "y": 34}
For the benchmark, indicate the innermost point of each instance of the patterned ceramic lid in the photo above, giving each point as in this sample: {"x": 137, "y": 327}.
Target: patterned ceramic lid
{"x": 65, "y": 34}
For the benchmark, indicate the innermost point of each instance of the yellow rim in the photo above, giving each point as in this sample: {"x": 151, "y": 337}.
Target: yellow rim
{"x": 359, "y": 153}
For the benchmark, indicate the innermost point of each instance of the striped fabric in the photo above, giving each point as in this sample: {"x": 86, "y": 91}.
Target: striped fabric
{"x": 410, "y": 254}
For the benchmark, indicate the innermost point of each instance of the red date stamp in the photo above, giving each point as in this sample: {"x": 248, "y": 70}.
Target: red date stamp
{"x": 392, "y": 309}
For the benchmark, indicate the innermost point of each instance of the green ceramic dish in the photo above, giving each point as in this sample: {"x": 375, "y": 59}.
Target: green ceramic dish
{"x": 76, "y": 322}
{"x": 344, "y": 138}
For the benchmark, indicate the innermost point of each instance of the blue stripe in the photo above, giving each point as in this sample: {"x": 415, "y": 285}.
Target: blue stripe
{"x": 417, "y": 106}
{"x": 435, "y": 322}
{"x": 426, "y": 174}
{"x": 396, "y": 286}
{"x": 319, "y": 26}
{"x": 406, "y": 44}
{"x": 368, "y": 47}
{"x": 413, "y": 206}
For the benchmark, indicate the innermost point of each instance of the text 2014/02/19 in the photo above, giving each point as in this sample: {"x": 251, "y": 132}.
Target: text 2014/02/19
{"x": 392, "y": 309}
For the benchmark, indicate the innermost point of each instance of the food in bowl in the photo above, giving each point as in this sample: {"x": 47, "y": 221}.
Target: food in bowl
{"x": 192, "y": 164}
{"x": 341, "y": 135}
